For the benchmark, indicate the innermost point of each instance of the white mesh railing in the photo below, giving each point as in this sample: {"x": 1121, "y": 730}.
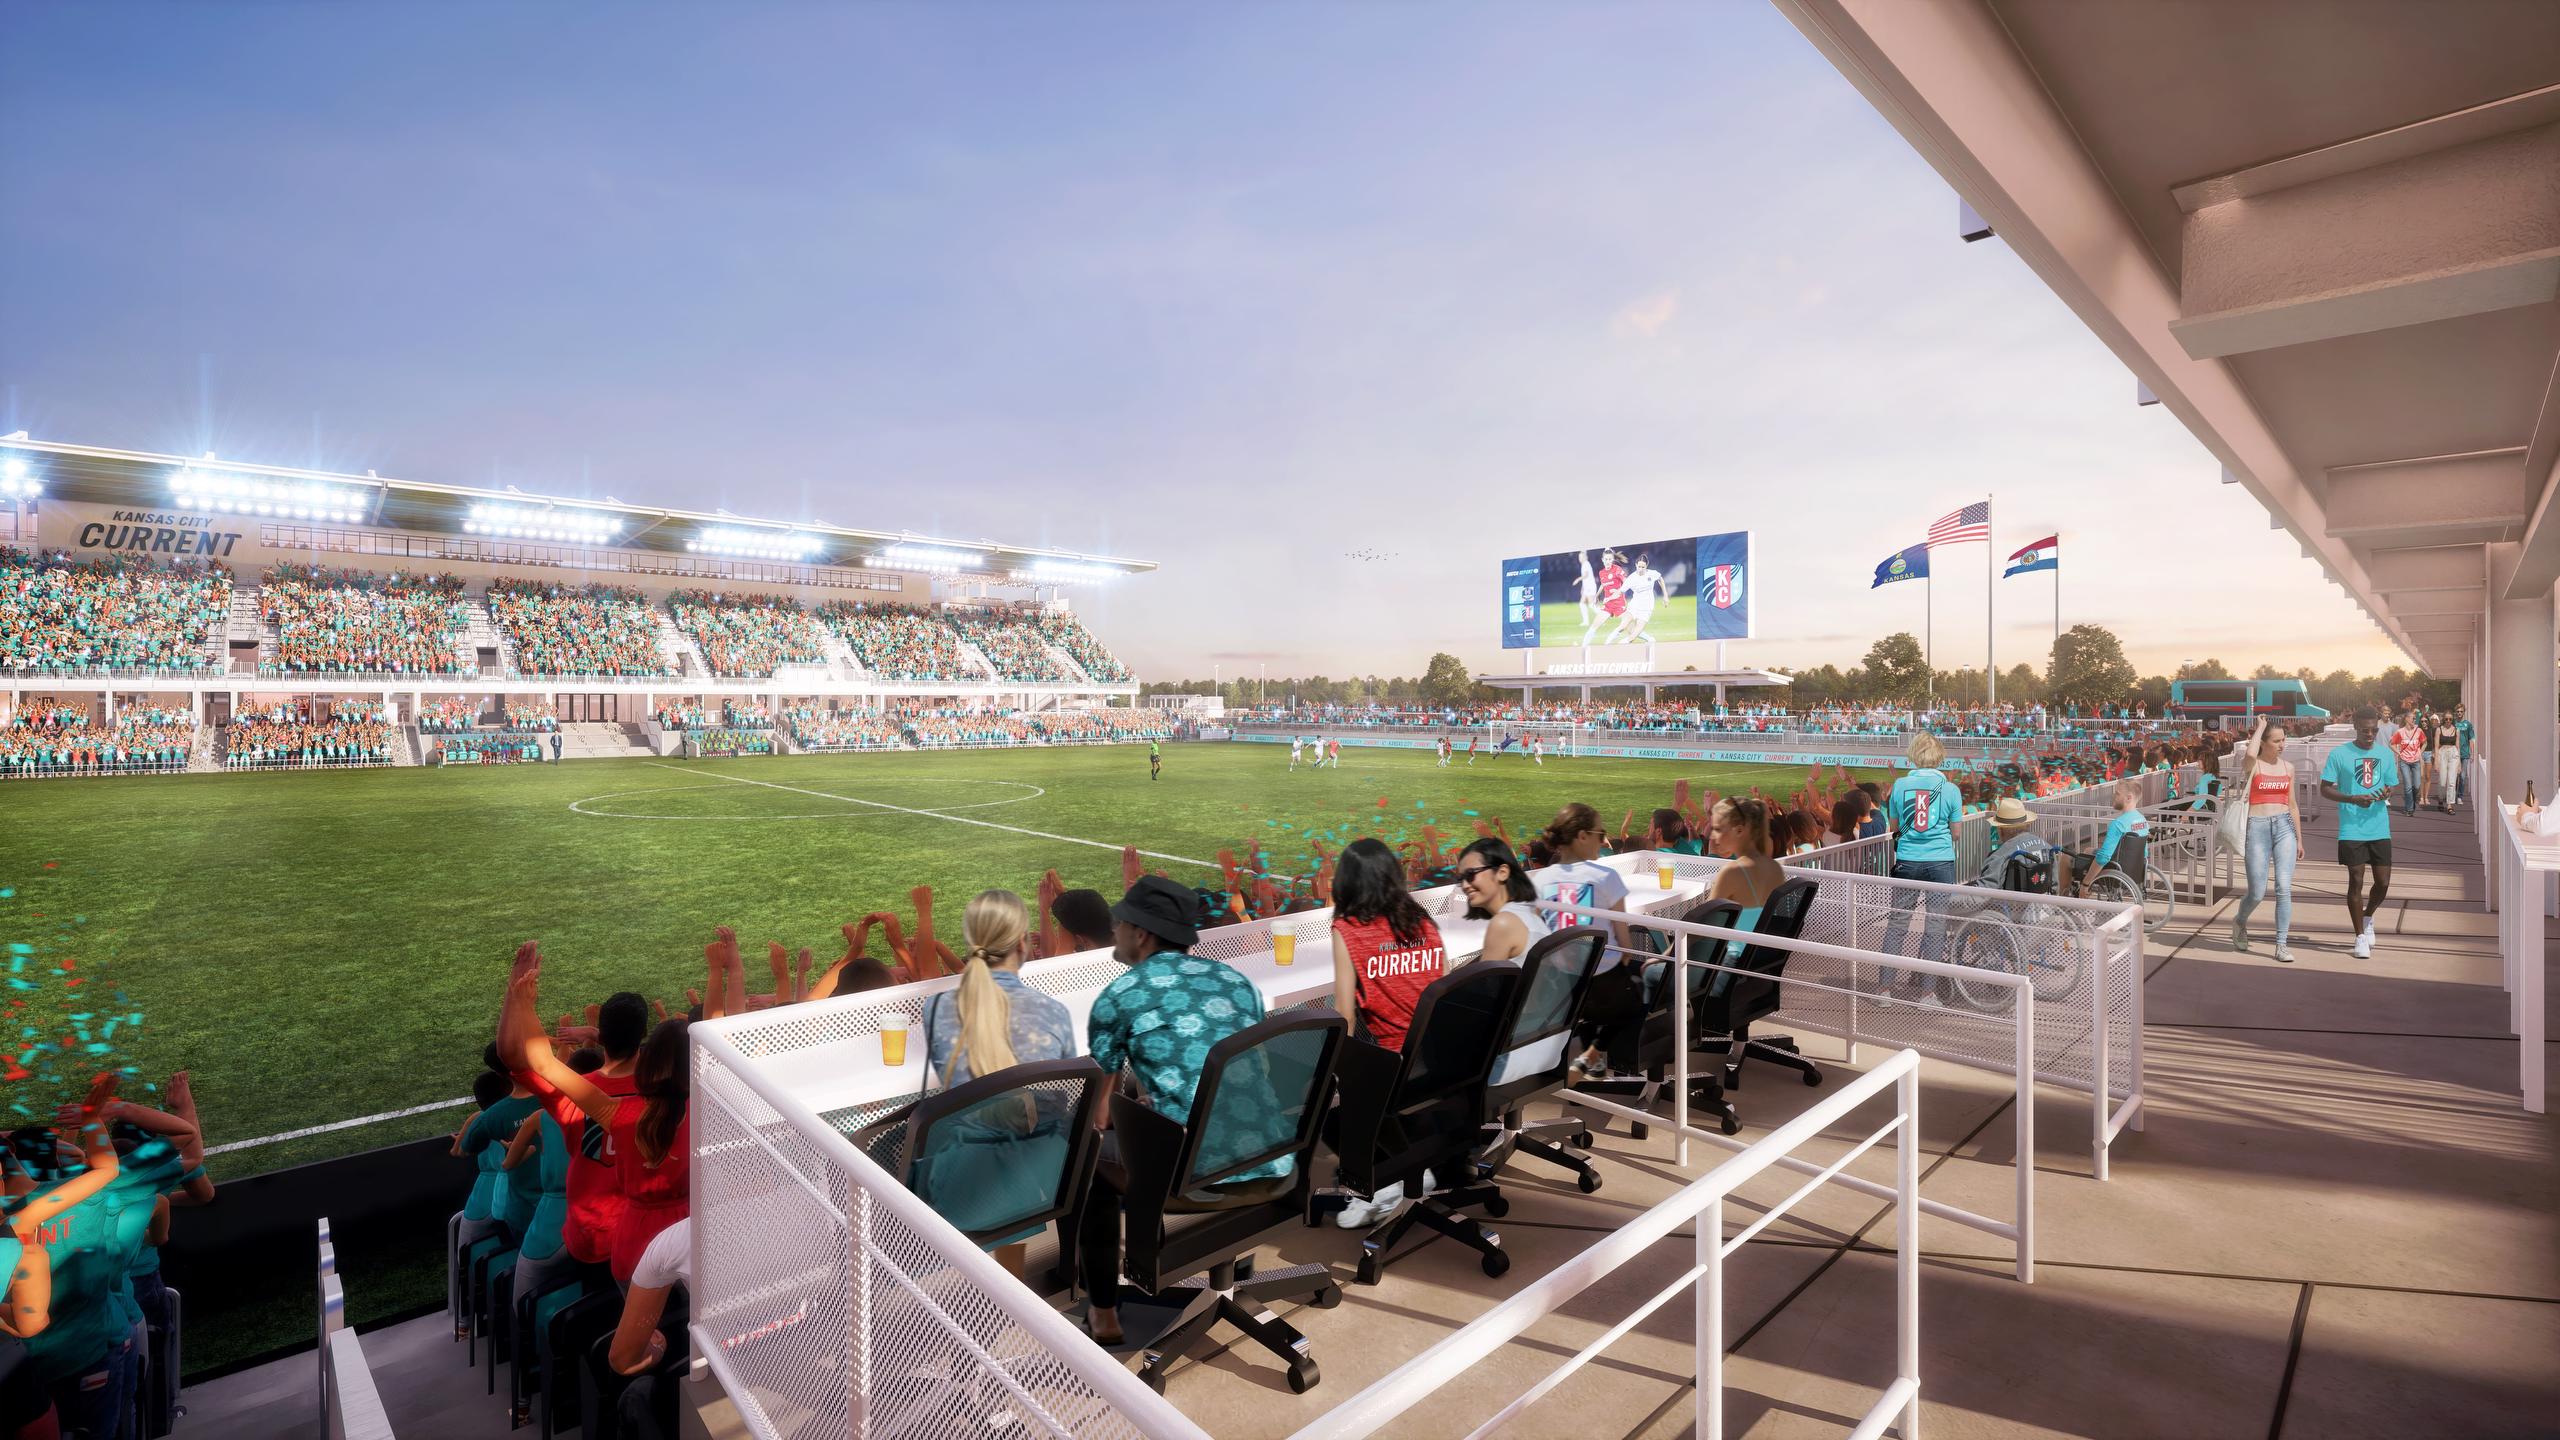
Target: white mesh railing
{"x": 2525, "y": 866}
{"x": 1701, "y": 1206}
{"x": 831, "y": 1301}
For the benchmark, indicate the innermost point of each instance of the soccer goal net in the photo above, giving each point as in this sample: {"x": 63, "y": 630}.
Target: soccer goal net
{"x": 1559, "y": 737}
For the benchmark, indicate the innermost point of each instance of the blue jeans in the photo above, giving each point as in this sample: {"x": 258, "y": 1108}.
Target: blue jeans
{"x": 91, "y": 1406}
{"x": 1941, "y": 871}
{"x": 2412, "y": 777}
{"x": 2271, "y": 843}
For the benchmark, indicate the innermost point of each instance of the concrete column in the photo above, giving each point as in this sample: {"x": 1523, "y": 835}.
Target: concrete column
{"x": 2520, "y": 732}
{"x": 111, "y": 707}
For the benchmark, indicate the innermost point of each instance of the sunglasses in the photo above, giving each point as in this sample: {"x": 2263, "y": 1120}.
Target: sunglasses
{"x": 1466, "y": 875}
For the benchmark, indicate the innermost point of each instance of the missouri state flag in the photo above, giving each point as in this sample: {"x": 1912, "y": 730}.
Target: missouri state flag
{"x": 1910, "y": 564}
{"x": 2045, "y": 554}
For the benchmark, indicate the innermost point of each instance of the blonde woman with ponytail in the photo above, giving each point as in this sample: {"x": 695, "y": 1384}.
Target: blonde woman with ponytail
{"x": 994, "y": 1021}
{"x": 991, "y": 1023}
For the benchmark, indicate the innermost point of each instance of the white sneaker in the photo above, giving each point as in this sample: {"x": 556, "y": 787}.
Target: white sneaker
{"x": 2284, "y": 955}
{"x": 2364, "y": 945}
{"x": 1361, "y": 1214}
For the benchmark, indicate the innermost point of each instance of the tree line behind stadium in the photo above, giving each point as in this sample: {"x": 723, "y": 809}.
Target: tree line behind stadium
{"x": 2087, "y": 668}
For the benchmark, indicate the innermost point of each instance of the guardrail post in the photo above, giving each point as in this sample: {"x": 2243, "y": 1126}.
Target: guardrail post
{"x": 2026, "y": 1102}
{"x": 1710, "y": 1318}
{"x": 2100, "y": 1093}
{"x": 1679, "y": 1051}
{"x": 1906, "y": 1261}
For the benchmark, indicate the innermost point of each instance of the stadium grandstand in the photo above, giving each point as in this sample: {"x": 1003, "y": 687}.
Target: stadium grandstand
{"x": 164, "y": 612}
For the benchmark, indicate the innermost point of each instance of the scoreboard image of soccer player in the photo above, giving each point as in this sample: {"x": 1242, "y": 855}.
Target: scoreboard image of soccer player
{"x": 1647, "y": 592}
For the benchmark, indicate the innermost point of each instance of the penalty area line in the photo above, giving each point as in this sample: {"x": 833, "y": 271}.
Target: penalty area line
{"x": 941, "y": 815}
{"x": 310, "y": 1130}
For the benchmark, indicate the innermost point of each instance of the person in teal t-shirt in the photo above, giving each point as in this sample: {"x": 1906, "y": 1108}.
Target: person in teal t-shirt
{"x": 2358, "y": 779}
{"x": 1924, "y": 807}
{"x": 2462, "y": 780}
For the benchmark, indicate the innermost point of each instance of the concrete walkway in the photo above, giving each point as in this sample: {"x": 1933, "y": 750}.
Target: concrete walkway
{"x": 2339, "y": 1222}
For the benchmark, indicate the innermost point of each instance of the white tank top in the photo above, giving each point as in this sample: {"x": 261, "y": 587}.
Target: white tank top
{"x": 1534, "y": 919}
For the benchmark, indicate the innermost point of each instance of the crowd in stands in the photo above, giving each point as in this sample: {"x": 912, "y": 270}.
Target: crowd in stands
{"x": 1104, "y": 726}
{"x": 815, "y": 729}
{"x": 954, "y": 729}
{"x": 332, "y": 619}
{"x": 1063, "y": 630}
{"x": 1968, "y": 722}
{"x": 121, "y": 613}
{"x": 1012, "y": 642}
{"x": 900, "y": 642}
{"x": 486, "y": 750}
{"x": 532, "y": 714}
{"x": 724, "y": 740}
{"x": 47, "y": 738}
{"x": 577, "y": 629}
{"x": 287, "y": 736}
{"x": 91, "y": 1191}
{"x": 746, "y": 634}
{"x": 685, "y": 715}
{"x": 453, "y": 714}
{"x": 746, "y": 714}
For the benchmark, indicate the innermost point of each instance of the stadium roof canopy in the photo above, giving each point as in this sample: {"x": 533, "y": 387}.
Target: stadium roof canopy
{"x": 138, "y": 478}
{"x": 2323, "y": 233}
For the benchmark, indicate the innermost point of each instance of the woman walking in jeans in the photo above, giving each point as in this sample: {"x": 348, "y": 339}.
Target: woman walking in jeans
{"x": 2275, "y": 838}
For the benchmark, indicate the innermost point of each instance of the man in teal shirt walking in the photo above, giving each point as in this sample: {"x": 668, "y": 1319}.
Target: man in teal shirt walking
{"x": 2358, "y": 780}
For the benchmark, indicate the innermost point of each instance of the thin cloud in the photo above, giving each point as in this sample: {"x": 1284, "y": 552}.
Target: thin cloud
{"x": 1646, "y": 317}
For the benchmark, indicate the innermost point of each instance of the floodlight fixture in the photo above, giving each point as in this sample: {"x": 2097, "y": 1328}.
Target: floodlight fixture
{"x": 792, "y": 545}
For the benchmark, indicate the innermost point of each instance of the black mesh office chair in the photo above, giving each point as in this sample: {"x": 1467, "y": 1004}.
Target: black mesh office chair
{"x": 1537, "y": 1056}
{"x": 1424, "y": 1110}
{"x": 1721, "y": 1019}
{"x": 1001, "y": 1156}
{"x": 1639, "y": 1054}
{"x": 1261, "y": 1101}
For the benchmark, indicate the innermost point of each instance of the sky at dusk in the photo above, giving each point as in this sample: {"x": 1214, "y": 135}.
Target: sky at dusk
{"x": 1327, "y": 309}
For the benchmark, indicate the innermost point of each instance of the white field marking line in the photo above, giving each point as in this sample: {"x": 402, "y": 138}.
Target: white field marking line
{"x": 579, "y": 807}
{"x": 938, "y": 815}
{"x": 225, "y": 1149}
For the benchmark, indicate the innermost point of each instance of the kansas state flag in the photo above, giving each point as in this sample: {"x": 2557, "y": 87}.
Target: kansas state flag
{"x": 1911, "y": 564}
{"x": 2045, "y": 554}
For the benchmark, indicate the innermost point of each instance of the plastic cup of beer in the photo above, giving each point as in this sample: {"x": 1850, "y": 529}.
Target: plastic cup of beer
{"x": 893, "y": 1041}
{"x": 1662, "y": 870}
{"x": 1284, "y": 945}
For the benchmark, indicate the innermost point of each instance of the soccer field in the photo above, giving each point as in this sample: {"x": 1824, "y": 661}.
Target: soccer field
{"x": 317, "y": 947}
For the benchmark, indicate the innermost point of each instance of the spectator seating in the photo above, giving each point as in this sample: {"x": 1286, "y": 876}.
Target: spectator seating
{"x": 486, "y": 750}
{"x": 685, "y": 715}
{"x": 956, "y": 729}
{"x": 815, "y": 729}
{"x": 900, "y": 642}
{"x": 122, "y": 613}
{"x": 1063, "y": 630}
{"x": 1104, "y": 727}
{"x": 1011, "y": 641}
{"x": 746, "y": 635}
{"x": 451, "y": 715}
{"x": 335, "y": 620}
{"x": 724, "y": 740}
{"x": 577, "y": 629}
{"x": 531, "y": 714}
{"x": 48, "y": 738}
{"x": 746, "y": 714}
{"x": 285, "y": 738}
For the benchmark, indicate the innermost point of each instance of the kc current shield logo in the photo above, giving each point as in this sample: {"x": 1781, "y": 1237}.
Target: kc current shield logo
{"x": 2366, "y": 769}
{"x": 1724, "y": 586}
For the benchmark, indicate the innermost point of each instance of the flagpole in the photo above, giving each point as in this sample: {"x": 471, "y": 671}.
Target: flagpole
{"x": 2057, "y": 592}
{"x": 1990, "y": 588}
{"x": 1929, "y": 632}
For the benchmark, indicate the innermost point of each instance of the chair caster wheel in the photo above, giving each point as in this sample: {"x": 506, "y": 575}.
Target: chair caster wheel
{"x": 1580, "y": 1139}
{"x": 1303, "y": 1377}
{"x": 1368, "y": 1272}
{"x": 1589, "y": 1181}
{"x": 1731, "y": 1124}
{"x": 1496, "y": 1263}
{"x": 1637, "y": 1130}
{"x": 1812, "y": 1078}
{"x": 1327, "y": 1298}
{"x": 1496, "y": 1206}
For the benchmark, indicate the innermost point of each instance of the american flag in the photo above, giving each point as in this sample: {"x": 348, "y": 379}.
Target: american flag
{"x": 1973, "y": 522}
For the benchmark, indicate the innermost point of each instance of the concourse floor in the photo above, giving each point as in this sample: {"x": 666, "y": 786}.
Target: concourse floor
{"x": 2338, "y": 1221}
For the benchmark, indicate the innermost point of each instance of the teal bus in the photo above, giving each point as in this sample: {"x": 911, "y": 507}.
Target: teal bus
{"x": 2220, "y": 702}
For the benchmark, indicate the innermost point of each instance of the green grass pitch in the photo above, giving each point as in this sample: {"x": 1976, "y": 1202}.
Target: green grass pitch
{"x": 1675, "y": 621}
{"x": 320, "y": 946}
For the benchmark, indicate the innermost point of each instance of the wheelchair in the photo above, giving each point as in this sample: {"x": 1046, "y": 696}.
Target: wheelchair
{"x": 2129, "y": 880}
{"x": 2044, "y": 943}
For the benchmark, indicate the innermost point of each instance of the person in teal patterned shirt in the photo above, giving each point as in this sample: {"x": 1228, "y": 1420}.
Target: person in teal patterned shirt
{"x": 1156, "y": 1024}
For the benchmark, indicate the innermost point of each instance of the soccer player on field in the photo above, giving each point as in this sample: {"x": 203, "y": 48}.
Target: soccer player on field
{"x": 1155, "y": 761}
{"x": 1333, "y": 753}
{"x": 1297, "y": 750}
{"x": 1613, "y": 593}
{"x": 1471, "y": 749}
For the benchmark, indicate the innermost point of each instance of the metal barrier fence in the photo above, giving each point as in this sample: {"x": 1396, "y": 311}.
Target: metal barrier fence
{"x": 831, "y": 1301}
{"x": 2525, "y": 865}
{"x": 350, "y": 1406}
{"x": 92, "y": 772}
{"x": 2084, "y": 959}
{"x": 1701, "y": 1203}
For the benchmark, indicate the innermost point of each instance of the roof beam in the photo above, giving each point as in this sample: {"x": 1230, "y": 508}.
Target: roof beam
{"x": 2420, "y": 237}
{"x": 2441, "y": 499}
{"x": 1948, "y": 78}
{"x": 2435, "y": 567}
{"x": 2538, "y": 565}
{"x": 2427, "y": 605}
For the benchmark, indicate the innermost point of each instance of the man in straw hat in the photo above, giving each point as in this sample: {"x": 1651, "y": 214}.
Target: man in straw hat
{"x": 2014, "y": 823}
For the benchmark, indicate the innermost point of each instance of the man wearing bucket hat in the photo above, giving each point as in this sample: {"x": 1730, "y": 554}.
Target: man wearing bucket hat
{"x": 1155, "y": 1022}
{"x": 2014, "y": 823}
